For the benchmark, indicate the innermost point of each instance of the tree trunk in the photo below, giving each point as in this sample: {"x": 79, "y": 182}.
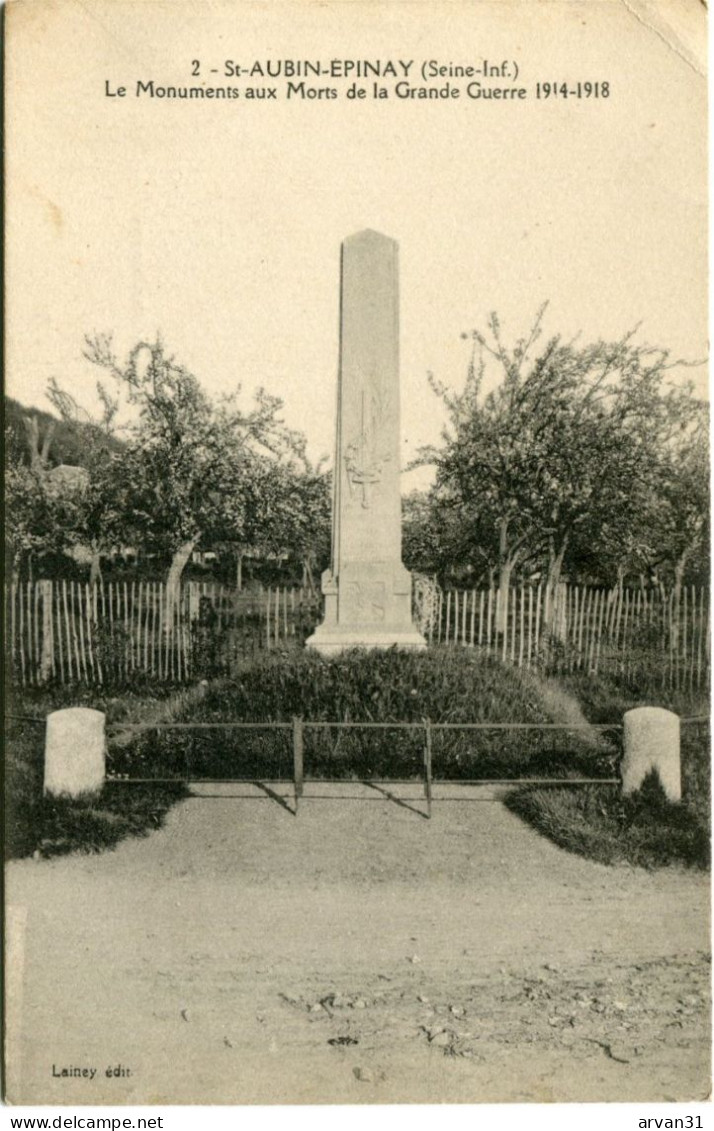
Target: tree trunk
{"x": 33, "y": 442}
{"x": 173, "y": 580}
{"x": 505, "y": 569}
{"x": 504, "y": 585}
{"x": 679, "y": 574}
{"x": 16, "y": 568}
{"x": 679, "y": 569}
{"x": 308, "y": 576}
{"x": 95, "y": 570}
{"x": 239, "y": 572}
{"x": 553, "y": 622}
{"x": 45, "y": 452}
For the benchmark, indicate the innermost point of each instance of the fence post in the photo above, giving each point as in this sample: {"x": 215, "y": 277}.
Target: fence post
{"x": 47, "y": 658}
{"x": 298, "y": 749}
{"x": 427, "y": 766}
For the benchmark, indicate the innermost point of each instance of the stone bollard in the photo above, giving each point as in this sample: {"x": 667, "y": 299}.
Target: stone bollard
{"x": 75, "y": 752}
{"x": 651, "y": 742}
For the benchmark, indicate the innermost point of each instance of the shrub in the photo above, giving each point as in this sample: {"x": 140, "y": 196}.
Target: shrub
{"x": 444, "y": 685}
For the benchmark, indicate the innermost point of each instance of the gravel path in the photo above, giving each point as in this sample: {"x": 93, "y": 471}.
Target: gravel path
{"x": 356, "y": 953}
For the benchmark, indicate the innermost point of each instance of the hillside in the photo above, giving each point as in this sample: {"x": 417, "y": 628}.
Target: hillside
{"x": 69, "y": 440}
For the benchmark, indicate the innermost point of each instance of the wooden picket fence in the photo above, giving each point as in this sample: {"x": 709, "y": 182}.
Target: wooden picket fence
{"x": 630, "y": 632}
{"x": 72, "y": 632}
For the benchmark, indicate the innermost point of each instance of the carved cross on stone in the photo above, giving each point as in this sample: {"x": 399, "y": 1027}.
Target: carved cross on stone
{"x": 364, "y": 468}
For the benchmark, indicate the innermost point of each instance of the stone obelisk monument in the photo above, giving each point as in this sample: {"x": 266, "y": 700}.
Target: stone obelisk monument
{"x": 367, "y": 589}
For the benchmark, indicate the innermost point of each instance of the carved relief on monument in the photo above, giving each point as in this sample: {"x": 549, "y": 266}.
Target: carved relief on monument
{"x": 364, "y": 601}
{"x": 364, "y": 461}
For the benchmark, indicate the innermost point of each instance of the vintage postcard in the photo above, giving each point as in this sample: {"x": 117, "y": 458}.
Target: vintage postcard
{"x": 357, "y": 553}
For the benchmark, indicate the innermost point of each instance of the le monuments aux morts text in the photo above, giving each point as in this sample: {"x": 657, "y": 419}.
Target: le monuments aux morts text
{"x": 349, "y": 69}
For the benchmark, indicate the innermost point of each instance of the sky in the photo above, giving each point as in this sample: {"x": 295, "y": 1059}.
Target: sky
{"x": 218, "y": 224}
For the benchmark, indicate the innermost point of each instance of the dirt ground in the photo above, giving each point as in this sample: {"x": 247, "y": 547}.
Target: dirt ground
{"x": 354, "y": 953}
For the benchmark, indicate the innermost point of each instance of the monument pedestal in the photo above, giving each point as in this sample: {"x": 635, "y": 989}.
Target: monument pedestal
{"x": 328, "y": 644}
{"x": 367, "y": 590}
{"x": 370, "y": 609}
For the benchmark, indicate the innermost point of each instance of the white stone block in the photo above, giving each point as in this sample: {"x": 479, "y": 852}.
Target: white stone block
{"x": 75, "y": 752}
{"x": 651, "y": 742}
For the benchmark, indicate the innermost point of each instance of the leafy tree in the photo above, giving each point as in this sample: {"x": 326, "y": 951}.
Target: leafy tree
{"x": 27, "y": 514}
{"x": 50, "y": 502}
{"x": 438, "y": 538}
{"x": 421, "y": 549}
{"x": 680, "y": 508}
{"x": 299, "y": 523}
{"x": 196, "y": 471}
{"x": 96, "y": 482}
{"x": 288, "y": 511}
{"x": 39, "y": 520}
{"x": 566, "y": 445}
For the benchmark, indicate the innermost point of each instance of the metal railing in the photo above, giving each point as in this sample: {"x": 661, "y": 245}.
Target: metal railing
{"x": 295, "y": 763}
{"x": 294, "y": 760}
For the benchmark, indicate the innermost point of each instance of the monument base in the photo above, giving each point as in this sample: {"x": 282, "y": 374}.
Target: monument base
{"x": 333, "y": 643}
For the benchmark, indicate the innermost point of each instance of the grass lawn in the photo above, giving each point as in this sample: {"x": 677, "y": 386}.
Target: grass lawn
{"x": 34, "y": 824}
{"x": 643, "y": 829}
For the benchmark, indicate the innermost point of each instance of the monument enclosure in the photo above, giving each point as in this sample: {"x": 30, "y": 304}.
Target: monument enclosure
{"x": 367, "y": 589}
